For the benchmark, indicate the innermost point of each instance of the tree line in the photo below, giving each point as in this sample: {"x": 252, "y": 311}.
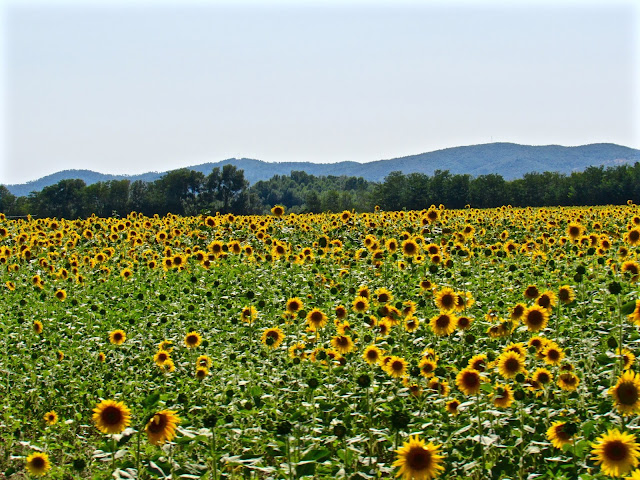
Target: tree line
{"x": 188, "y": 192}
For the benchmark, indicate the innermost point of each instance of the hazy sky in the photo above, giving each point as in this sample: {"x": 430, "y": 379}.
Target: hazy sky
{"x": 129, "y": 87}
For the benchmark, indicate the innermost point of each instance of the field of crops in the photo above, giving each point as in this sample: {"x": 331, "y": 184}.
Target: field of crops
{"x": 426, "y": 344}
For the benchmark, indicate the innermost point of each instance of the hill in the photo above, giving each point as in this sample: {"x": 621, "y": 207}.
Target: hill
{"x": 507, "y": 159}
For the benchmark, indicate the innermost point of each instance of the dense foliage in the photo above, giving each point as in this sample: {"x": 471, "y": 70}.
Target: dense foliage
{"x": 189, "y": 192}
{"x": 456, "y": 344}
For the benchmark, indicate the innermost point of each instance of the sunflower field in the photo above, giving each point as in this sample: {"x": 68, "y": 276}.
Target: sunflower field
{"x": 483, "y": 344}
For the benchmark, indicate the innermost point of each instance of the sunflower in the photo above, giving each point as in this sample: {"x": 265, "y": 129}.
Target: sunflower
{"x": 446, "y": 299}
{"x": 272, "y": 337}
{"x": 201, "y": 372}
{"x": 531, "y": 292}
{"x": 443, "y": 324}
{"x": 468, "y": 381}
{"x": 61, "y": 295}
{"x": 294, "y": 304}
{"x": 628, "y": 358}
{"x": 111, "y": 416}
{"x": 396, "y": 367}
{"x": 51, "y": 418}
{"x": 161, "y": 357}
{"x": 165, "y": 345}
{"x": 168, "y": 366}
{"x": 204, "y": 361}
{"x": 38, "y": 463}
{"x": 249, "y": 314}
{"x": 360, "y": 304}
{"x": 632, "y": 237}
{"x": 510, "y": 364}
{"x": 552, "y": 353}
{"x": 502, "y": 395}
{"x": 542, "y": 376}
{"x": 452, "y": 406}
{"x": 616, "y": 452}
{"x": 411, "y": 323}
{"x": 547, "y": 300}
{"x": 464, "y": 322}
{"x": 635, "y": 315}
{"x": 478, "y": 362}
{"x": 102, "y": 357}
{"x": 561, "y": 433}
{"x": 517, "y": 311}
{"x": 626, "y": 393}
{"x": 565, "y": 294}
{"x": 192, "y": 339}
{"x": 632, "y": 269}
{"x": 316, "y": 319}
{"x": 117, "y": 337}
{"x": 535, "y": 318}
{"x": 37, "y": 326}
{"x": 574, "y": 230}
{"x": 161, "y": 427}
{"x": 635, "y": 475}
{"x": 568, "y": 381}
{"x": 418, "y": 460}
{"x": 382, "y": 296}
{"x": 410, "y": 247}
{"x": 372, "y": 354}
{"x": 341, "y": 312}
{"x": 427, "y": 367}
{"x": 439, "y": 386}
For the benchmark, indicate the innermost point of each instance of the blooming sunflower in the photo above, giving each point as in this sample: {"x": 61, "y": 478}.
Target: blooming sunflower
{"x": 468, "y": 381}
{"x": 161, "y": 427}
{"x": 502, "y": 395}
{"x": 360, "y": 304}
{"x": 38, "y": 463}
{"x": 628, "y": 358}
{"x": 410, "y": 247}
{"x": 626, "y": 393}
{"x": 411, "y": 323}
{"x": 382, "y": 295}
{"x": 372, "y": 354}
{"x": 542, "y": 376}
{"x": 201, "y": 372}
{"x": 37, "y": 327}
{"x": 316, "y": 319}
{"x": 446, "y": 299}
{"x": 272, "y": 337}
{"x": 418, "y": 460}
{"x": 204, "y": 361}
{"x": 535, "y": 318}
{"x": 635, "y": 475}
{"x": 568, "y": 381}
{"x": 565, "y": 294}
{"x": 443, "y": 324}
{"x": 635, "y": 315}
{"x": 552, "y": 353}
{"x": 192, "y": 339}
{"x": 61, "y": 295}
{"x": 111, "y": 416}
{"x": 396, "y": 367}
{"x": 616, "y": 452}
{"x": 117, "y": 337}
{"x": 51, "y": 417}
{"x": 510, "y": 364}
{"x": 632, "y": 237}
{"x": 464, "y": 322}
{"x": 294, "y": 304}
{"x": 478, "y": 362}
{"x": 561, "y": 433}
{"x": 249, "y": 314}
{"x": 427, "y": 367}
{"x": 452, "y": 406}
{"x": 161, "y": 357}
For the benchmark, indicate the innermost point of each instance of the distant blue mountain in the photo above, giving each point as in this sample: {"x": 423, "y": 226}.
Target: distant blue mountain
{"x": 507, "y": 159}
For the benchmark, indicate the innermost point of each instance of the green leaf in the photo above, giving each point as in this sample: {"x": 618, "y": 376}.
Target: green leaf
{"x": 628, "y": 308}
{"x": 151, "y": 400}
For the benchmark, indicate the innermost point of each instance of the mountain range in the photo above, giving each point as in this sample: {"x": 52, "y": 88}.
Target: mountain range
{"x": 507, "y": 159}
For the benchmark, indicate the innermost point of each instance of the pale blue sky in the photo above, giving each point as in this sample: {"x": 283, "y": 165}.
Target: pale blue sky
{"x": 130, "y": 87}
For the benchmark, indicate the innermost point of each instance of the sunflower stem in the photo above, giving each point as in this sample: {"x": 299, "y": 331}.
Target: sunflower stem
{"x": 482, "y": 465}
{"x": 138, "y": 454}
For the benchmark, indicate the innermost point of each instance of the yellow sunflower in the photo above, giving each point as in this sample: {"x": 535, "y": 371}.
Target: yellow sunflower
{"x": 294, "y": 304}
{"x": 469, "y": 381}
{"x": 616, "y": 452}
{"x": 502, "y": 395}
{"x": 510, "y": 364}
{"x": 360, "y": 304}
{"x": 443, "y": 324}
{"x": 117, "y": 337}
{"x": 316, "y": 319}
{"x": 37, "y": 327}
{"x": 535, "y": 318}
{"x": 565, "y": 294}
{"x": 626, "y": 393}
{"x": 446, "y": 299}
{"x": 51, "y": 417}
{"x": 161, "y": 357}
{"x": 561, "y": 433}
{"x": 192, "y": 339}
{"x": 418, "y": 460}
{"x": 396, "y": 367}
{"x": 372, "y": 354}
{"x": 38, "y": 463}
{"x": 111, "y": 416}
{"x": 161, "y": 427}
{"x": 272, "y": 337}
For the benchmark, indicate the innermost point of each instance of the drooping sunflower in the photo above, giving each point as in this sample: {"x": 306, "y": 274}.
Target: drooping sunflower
{"x": 443, "y": 324}
{"x": 510, "y": 364}
{"x": 446, "y": 299}
{"x": 502, "y": 396}
{"x": 161, "y": 427}
{"x": 272, "y": 337}
{"x": 561, "y": 433}
{"x": 396, "y": 367}
{"x": 616, "y": 452}
{"x": 111, "y": 416}
{"x": 38, "y": 463}
{"x": 418, "y": 460}
{"x": 626, "y": 393}
{"x": 294, "y": 304}
{"x": 372, "y": 354}
{"x": 117, "y": 337}
{"x": 316, "y": 319}
{"x": 469, "y": 381}
{"x": 192, "y": 339}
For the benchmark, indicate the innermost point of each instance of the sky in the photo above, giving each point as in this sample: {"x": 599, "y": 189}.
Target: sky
{"x": 127, "y": 87}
